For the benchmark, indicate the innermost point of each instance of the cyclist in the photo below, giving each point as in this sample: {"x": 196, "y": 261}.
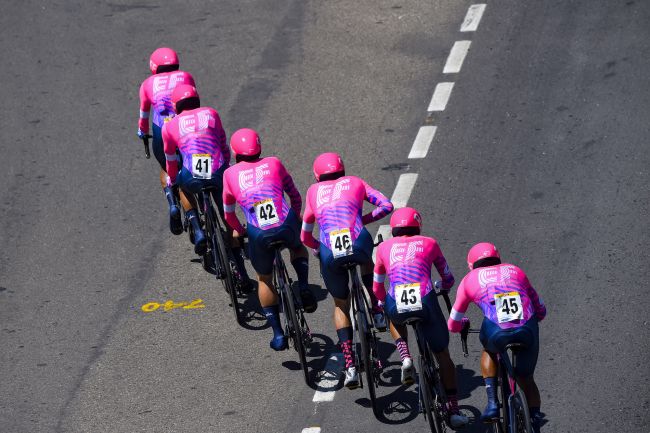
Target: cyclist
{"x": 197, "y": 134}
{"x": 336, "y": 203}
{"x": 258, "y": 185}
{"x": 155, "y": 96}
{"x": 407, "y": 259}
{"x": 512, "y": 310}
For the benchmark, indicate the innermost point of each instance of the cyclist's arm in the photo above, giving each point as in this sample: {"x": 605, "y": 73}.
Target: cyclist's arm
{"x": 229, "y": 206}
{"x": 145, "y": 107}
{"x": 538, "y": 305}
{"x": 460, "y": 307}
{"x": 222, "y": 140}
{"x": 290, "y": 188}
{"x": 308, "y": 221}
{"x": 379, "y": 276}
{"x": 442, "y": 267}
{"x": 384, "y": 206}
{"x": 170, "y": 153}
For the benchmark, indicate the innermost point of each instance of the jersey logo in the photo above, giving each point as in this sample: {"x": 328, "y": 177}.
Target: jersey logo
{"x": 195, "y": 123}
{"x": 250, "y": 177}
{"x": 405, "y": 251}
{"x": 488, "y": 276}
{"x": 331, "y": 192}
{"x": 167, "y": 81}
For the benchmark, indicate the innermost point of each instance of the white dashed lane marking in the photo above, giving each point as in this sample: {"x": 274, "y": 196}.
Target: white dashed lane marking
{"x": 311, "y": 430}
{"x": 473, "y": 17}
{"x": 331, "y": 375}
{"x": 422, "y": 142}
{"x": 456, "y": 57}
{"x": 403, "y": 189}
{"x": 440, "y": 97}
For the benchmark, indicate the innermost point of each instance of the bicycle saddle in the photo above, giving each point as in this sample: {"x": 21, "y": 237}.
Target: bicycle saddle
{"x": 277, "y": 244}
{"x": 516, "y": 346}
{"x": 349, "y": 265}
{"x": 412, "y": 320}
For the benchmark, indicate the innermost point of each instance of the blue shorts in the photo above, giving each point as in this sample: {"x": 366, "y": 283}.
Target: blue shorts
{"x": 191, "y": 184}
{"x": 434, "y": 325}
{"x": 334, "y": 275}
{"x": 495, "y": 339}
{"x": 157, "y": 146}
{"x": 260, "y": 253}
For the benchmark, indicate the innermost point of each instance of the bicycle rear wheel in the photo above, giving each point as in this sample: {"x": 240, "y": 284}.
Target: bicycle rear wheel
{"x": 226, "y": 269}
{"x": 296, "y": 333}
{"x": 429, "y": 387}
{"x": 521, "y": 416}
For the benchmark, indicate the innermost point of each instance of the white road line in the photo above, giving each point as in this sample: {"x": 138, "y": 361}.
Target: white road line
{"x": 473, "y": 17}
{"x": 331, "y": 376}
{"x": 311, "y": 430}
{"x": 440, "y": 97}
{"x": 456, "y": 57}
{"x": 403, "y": 189}
{"x": 422, "y": 142}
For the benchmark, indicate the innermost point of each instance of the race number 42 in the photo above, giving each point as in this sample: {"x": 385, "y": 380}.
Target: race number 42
{"x": 266, "y": 213}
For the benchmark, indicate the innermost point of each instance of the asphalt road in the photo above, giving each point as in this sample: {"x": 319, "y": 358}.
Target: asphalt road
{"x": 542, "y": 149}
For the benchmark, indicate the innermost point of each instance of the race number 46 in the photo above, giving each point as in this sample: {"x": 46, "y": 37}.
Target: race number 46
{"x": 266, "y": 213}
{"x": 201, "y": 165}
{"x": 408, "y": 297}
{"x": 508, "y": 307}
{"x": 341, "y": 243}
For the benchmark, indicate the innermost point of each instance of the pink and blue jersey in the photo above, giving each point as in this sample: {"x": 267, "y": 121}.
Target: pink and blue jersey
{"x": 201, "y": 141}
{"x": 408, "y": 260}
{"x": 258, "y": 187}
{"x": 338, "y": 205}
{"x": 156, "y": 96}
{"x": 502, "y": 292}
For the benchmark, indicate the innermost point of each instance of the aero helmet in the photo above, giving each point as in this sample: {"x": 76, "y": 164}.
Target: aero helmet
{"x": 162, "y": 56}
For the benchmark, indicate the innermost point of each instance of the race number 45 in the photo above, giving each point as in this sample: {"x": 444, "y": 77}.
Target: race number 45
{"x": 408, "y": 297}
{"x": 508, "y": 307}
{"x": 266, "y": 213}
{"x": 201, "y": 165}
{"x": 341, "y": 243}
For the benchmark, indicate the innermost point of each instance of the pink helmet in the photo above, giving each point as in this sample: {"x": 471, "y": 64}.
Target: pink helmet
{"x": 327, "y": 163}
{"x": 182, "y": 92}
{"x": 481, "y": 251}
{"x": 245, "y": 142}
{"x": 162, "y": 56}
{"x": 406, "y": 217}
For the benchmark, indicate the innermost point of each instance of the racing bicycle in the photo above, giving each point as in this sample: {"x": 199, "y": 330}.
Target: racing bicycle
{"x": 295, "y": 326}
{"x": 513, "y": 407}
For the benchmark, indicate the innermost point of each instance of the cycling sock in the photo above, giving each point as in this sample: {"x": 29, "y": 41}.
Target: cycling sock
{"x": 169, "y": 194}
{"x": 193, "y": 217}
{"x": 345, "y": 340}
{"x": 491, "y": 389}
{"x": 239, "y": 259}
{"x": 301, "y": 265}
{"x": 272, "y": 315}
{"x": 403, "y": 348}
{"x": 452, "y": 401}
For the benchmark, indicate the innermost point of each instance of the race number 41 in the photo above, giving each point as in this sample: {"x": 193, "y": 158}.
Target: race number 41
{"x": 201, "y": 166}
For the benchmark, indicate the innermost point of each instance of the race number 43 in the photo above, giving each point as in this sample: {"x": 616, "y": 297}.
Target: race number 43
{"x": 201, "y": 165}
{"x": 341, "y": 243}
{"x": 508, "y": 307}
{"x": 266, "y": 213}
{"x": 408, "y": 297}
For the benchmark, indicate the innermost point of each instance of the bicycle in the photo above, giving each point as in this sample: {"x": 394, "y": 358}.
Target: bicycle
{"x": 145, "y": 141}
{"x": 514, "y": 416}
{"x": 366, "y": 355}
{"x": 295, "y": 325}
{"x": 431, "y": 392}
{"x": 218, "y": 256}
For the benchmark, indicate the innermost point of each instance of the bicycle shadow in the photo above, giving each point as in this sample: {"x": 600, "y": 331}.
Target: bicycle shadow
{"x": 322, "y": 376}
{"x": 468, "y": 380}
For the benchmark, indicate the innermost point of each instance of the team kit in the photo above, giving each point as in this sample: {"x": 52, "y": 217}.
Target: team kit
{"x": 190, "y": 145}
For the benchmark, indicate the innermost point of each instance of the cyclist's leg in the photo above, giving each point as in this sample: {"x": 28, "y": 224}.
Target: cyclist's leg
{"x": 362, "y": 247}
{"x": 299, "y": 260}
{"x": 262, "y": 261}
{"x": 175, "y": 222}
{"x": 399, "y": 332}
{"x": 190, "y": 186}
{"x": 489, "y": 369}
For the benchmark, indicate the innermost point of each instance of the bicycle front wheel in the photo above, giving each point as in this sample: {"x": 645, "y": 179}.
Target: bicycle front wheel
{"x": 296, "y": 333}
{"x": 367, "y": 359}
{"x": 228, "y": 280}
{"x": 520, "y": 416}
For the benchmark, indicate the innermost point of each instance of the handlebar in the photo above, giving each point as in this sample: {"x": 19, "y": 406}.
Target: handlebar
{"x": 380, "y": 239}
{"x": 463, "y": 337}
{"x": 145, "y": 140}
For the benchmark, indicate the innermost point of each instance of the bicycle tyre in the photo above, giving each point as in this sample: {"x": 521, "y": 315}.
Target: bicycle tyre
{"x": 367, "y": 359}
{"x": 297, "y": 335}
{"x": 504, "y": 394}
{"x": 521, "y": 420}
{"x": 428, "y": 385}
{"x": 228, "y": 281}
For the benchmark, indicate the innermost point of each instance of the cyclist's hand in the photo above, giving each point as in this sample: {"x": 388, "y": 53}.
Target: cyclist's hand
{"x": 438, "y": 285}
{"x": 141, "y": 134}
{"x": 168, "y": 181}
{"x": 315, "y": 252}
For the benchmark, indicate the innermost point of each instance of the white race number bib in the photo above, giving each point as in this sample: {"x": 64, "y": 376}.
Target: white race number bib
{"x": 508, "y": 307}
{"x": 408, "y": 297}
{"x": 201, "y": 166}
{"x": 341, "y": 243}
{"x": 266, "y": 213}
